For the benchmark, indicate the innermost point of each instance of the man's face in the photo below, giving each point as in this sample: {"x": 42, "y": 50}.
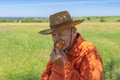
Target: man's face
{"x": 63, "y": 36}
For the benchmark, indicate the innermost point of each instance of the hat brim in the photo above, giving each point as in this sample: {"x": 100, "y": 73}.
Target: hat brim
{"x": 60, "y": 27}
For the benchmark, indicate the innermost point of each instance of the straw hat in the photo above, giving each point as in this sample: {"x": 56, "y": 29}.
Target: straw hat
{"x": 59, "y": 22}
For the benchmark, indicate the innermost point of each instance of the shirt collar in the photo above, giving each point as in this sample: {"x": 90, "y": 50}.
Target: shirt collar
{"x": 75, "y": 48}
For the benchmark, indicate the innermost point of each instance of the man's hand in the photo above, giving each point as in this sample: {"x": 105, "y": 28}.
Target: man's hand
{"x": 58, "y": 57}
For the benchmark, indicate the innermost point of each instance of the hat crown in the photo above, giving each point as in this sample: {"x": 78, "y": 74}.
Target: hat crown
{"x": 59, "y": 22}
{"x": 59, "y": 18}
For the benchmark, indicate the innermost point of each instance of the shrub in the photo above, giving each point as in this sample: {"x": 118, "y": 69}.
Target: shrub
{"x": 3, "y": 20}
{"x": 88, "y": 18}
{"x": 118, "y": 20}
{"x": 102, "y": 20}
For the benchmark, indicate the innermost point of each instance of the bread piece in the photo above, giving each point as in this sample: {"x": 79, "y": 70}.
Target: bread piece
{"x": 60, "y": 44}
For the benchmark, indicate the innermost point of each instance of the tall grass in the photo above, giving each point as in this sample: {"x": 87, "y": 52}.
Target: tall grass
{"x": 106, "y": 37}
{"x": 24, "y": 53}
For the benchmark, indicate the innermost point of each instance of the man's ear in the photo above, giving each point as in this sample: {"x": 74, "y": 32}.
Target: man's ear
{"x": 74, "y": 29}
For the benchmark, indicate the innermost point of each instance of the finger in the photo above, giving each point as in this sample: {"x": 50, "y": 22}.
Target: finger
{"x": 54, "y": 51}
{"x": 59, "y": 61}
{"x": 62, "y": 54}
{"x": 57, "y": 51}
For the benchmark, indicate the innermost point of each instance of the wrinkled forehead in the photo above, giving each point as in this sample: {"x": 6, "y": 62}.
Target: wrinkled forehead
{"x": 66, "y": 30}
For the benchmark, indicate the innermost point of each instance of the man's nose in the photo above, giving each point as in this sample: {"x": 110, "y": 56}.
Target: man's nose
{"x": 56, "y": 38}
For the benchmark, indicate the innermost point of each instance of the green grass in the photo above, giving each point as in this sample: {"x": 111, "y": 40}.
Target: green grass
{"x": 106, "y": 36}
{"x": 24, "y": 53}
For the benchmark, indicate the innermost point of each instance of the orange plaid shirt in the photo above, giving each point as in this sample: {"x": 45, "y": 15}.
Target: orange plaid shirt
{"x": 84, "y": 63}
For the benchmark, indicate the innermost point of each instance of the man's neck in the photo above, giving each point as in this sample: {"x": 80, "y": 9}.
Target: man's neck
{"x": 74, "y": 40}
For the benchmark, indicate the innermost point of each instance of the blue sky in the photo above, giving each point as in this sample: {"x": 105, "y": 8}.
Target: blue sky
{"x": 43, "y": 8}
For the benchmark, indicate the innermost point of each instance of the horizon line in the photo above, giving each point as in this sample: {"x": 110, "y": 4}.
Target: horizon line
{"x": 48, "y": 17}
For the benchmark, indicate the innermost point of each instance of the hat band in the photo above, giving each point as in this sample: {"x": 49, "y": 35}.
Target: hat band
{"x": 54, "y": 26}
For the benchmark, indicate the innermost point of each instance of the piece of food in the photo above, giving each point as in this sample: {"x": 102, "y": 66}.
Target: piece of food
{"x": 60, "y": 44}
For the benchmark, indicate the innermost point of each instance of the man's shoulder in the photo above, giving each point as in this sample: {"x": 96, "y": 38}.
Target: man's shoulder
{"x": 87, "y": 45}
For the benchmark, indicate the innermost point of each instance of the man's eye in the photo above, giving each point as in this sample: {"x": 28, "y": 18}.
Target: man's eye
{"x": 54, "y": 34}
{"x": 61, "y": 34}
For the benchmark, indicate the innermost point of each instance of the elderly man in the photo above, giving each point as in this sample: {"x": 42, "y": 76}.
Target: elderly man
{"x": 72, "y": 57}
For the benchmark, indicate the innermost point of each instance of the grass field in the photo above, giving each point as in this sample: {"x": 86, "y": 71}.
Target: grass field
{"x": 24, "y": 53}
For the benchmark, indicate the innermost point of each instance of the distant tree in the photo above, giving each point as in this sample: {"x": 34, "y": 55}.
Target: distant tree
{"x": 24, "y": 20}
{"x": 88, "y": 18}
{"x": 118, "y": 20}
{"x": 102, "y": 20}
{"x": 3, "y": 20}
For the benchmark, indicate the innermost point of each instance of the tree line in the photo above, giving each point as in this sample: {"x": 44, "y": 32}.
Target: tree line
{"x": 24, "y": 20}
{"x": 41, "y": 20}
